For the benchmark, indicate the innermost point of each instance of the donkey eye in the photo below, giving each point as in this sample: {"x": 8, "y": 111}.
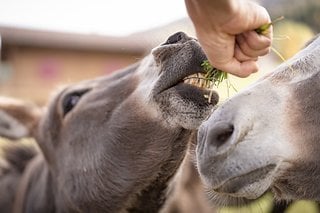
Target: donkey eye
{"x": 70, "y": 101}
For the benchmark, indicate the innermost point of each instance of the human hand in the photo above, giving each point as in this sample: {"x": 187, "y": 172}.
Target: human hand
{"x": 225, "y": 29}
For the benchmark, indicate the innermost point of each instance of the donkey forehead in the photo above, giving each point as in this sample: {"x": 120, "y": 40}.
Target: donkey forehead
{"x": 92, "y": 83}
{"x": 302, "y": 66}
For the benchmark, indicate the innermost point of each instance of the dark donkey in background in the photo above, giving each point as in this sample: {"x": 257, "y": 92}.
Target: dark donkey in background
{"x": 113, "y": 143}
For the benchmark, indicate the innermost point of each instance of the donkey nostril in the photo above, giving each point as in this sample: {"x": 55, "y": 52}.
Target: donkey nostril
{"x": 175, "y": 38}
{"x": 219, "y": 133}
{"x": 224, "y": 136}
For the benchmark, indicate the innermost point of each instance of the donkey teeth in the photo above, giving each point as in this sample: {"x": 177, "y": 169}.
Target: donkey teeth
{"x": 199, "y": 80}
{"x": 196, "y": 80}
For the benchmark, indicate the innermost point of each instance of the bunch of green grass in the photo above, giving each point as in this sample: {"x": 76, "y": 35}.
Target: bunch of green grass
{"x": 263, "y": 29}
{"x": 212, "y": 74}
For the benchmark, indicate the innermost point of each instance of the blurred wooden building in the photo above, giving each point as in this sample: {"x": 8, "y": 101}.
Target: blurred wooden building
{"x": 34, "y": 62}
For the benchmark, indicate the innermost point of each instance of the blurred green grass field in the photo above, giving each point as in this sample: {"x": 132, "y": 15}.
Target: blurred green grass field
{"x": 264, "y": 205}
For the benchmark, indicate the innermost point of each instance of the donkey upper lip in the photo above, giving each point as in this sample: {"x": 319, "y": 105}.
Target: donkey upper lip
{"x": 188, "y": 71}
{"x": 178, "y": 61}
{"x": 234, "y": 184}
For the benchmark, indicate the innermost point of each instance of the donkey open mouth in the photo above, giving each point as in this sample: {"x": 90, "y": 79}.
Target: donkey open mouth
{"x": 185, "y": 102}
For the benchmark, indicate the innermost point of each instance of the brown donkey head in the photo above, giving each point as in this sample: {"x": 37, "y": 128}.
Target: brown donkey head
{"x": 112, "y": 143}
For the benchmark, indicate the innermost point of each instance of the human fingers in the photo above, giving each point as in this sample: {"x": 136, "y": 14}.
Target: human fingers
{"x": 240, "y": 56}
{"x": 256, "y": 17}
{"x": 240, "y": 69}
{"x": 253, "y": 45}
{"x": 234, "y": 61}
{"x": 256, "y": 41}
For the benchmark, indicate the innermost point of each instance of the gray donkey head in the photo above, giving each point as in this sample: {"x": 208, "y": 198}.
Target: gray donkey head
{"x": 267, "y": 136}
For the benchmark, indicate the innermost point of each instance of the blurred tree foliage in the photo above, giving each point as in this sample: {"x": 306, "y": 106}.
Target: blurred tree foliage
{"x": 286, "y": 39}
{"x": 306, "y": 11}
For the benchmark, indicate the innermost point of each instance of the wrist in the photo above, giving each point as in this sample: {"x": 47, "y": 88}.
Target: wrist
{"x": 227, "y": 6}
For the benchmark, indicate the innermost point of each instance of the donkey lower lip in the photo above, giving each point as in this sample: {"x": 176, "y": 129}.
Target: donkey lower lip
{"x": 198, "y": 94}
{"x": 235, "y": 184}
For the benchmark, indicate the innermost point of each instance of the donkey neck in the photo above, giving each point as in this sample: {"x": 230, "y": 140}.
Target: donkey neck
{"x": 153, "y": 197}
{"x": 35, "y": 190}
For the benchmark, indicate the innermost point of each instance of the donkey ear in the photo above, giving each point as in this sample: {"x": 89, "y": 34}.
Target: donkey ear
{"x": 18, "y": 119}
{"x": 11, "y": 128}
